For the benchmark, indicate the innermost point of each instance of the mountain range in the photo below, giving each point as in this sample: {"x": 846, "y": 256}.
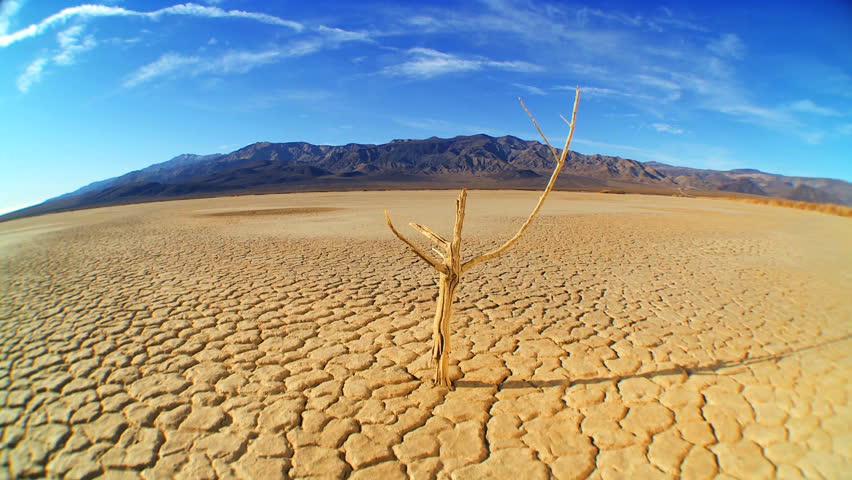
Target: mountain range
{"x": 478, "y": 161}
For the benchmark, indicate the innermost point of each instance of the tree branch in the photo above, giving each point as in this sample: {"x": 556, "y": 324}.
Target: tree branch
{"x": 441, "y": 241}
{"x": 559, "y": 164}
{"x": 423, "y": 256}
{"x": 552, "y": 150}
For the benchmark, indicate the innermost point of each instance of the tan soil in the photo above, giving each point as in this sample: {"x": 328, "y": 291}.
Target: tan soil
{"x": 623, "y": 337}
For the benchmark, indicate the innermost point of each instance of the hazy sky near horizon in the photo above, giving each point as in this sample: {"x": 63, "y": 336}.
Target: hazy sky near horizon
{"x": 90, "y": 91}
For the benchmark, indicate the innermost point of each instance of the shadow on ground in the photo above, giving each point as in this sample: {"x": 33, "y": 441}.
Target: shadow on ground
{"x": 696, "y": 369}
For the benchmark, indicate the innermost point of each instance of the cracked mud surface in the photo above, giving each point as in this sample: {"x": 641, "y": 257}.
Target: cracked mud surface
{"x": 622, "y": 337}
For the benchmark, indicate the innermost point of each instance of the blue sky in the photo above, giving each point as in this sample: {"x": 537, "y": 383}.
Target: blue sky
{"x": 91, "y": 91}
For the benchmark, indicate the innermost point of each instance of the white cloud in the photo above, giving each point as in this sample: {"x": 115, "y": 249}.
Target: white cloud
{"x": 532, "y": 90}
{"x": 235, "y": 61}
{"x": 68, "y": 37}
{"x": 728, "y": 45}
{"x": 242, "y": 61}
{"x": 165, "y": 65}
{"x": 673, "y": 89}
{"x": 590, "y": 70}
{"x": 189, "y": 9}
{"x": 442, "y": 127}
{"x": 72, "y": 45}
{"x": 600, "y": 92}
{"x": 585, "y": 13}
{"x": 340, "y": 35}
{"x": 597, "y": 92}
{"x": 427, "y": 63}
{"x": 238, "y": 61}
{"x": 757, "y": 114}
{"x": 808, "y": 106}
{"x": 665, "y": 128}
{"x": 31, "y": 75}
{"x": 668, "y": 18}
{"x": 607, "y": 145}
{"x": 779, "y": 119}
{"x": 813, "y": 138}
{"x": 8, "y": 9}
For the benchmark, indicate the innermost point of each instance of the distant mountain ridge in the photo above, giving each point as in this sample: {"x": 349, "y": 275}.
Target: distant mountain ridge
{"x": 477, "y": 161}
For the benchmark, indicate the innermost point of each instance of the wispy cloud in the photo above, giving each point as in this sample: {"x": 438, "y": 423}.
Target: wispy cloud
{"x": 668, "y": 18}
{"x": 601, "y": 92}
{"x": 728, "y": 45}
{"x": 615, "y": 146}
{"x": 666, "y": 128}
{"x": 163, "y": 66}
{"x": 532, "y": 90}
{"x": 754, "y": 113}
{"x": 71, "y": 44}
{"x": 8, "y": 9}
{"x": 31, "y": 75}
{"x": 174, "y": 64}
{"x": 808, "y": 106}
{"x": 587, "y": 70}
{"x": 186, "y": 9}
{"x": 671, "y": 89}
{"x": 779, "y": 119}
{"x": 339, "y": 35}
{"x": 692, "y": 154}
{"x": 696, "y": 71}
{"x": 442, "y": 127}
{"x": 585, "y": 13}
{"x": 275, "y": 98}
{"x": 426, "y": 63}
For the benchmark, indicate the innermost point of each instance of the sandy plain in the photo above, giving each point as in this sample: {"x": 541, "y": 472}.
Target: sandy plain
{"x": 287, "y": 336}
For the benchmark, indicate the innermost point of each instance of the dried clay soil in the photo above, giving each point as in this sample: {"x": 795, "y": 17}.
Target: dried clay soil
{"x": 288, "y": 336}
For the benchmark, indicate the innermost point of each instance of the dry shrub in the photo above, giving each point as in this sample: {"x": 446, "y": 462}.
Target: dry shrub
{"x": 606, "y": 190}
{"x": 829, "y": 208}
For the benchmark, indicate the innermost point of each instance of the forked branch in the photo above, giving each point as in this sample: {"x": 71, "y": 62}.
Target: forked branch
{"x": 529, "y": 114}
{"x": 439, "y": 240}
{"x": 560, "y": 162}
{"x": 420, "y": 253}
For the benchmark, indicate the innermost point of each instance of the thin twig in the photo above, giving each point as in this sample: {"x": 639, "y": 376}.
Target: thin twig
{"x": 552, "y": 150}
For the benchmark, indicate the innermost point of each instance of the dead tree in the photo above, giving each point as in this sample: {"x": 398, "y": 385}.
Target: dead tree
{"x": 451, "y": 267}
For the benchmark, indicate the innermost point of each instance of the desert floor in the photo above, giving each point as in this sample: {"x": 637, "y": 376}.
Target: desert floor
{"x": 284, "y": 336}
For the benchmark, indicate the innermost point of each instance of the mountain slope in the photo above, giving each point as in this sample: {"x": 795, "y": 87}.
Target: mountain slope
{"x": 477, "y": 161}
{"x": 820, "y": 190}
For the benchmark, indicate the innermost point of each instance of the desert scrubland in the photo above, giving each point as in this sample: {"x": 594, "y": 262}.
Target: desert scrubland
{"x": 286, "y": 336}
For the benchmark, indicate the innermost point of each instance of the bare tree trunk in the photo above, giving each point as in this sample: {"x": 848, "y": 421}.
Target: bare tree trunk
{"x": 447, "y": 283}
{"x": 441, "y": 329}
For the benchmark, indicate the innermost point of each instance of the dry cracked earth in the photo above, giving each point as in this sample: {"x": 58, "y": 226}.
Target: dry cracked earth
{"x": 288, "y": 336}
